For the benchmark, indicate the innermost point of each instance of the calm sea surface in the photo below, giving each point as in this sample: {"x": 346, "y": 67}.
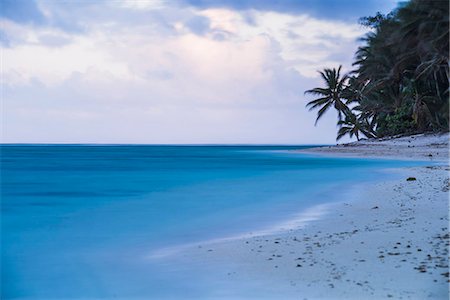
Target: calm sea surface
{"x": 80, "y": 221}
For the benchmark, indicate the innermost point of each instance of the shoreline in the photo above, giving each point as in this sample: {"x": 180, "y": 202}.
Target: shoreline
{"x": 389, "y": 240}
{"x": 424, "y": 147}
{"x": 294, "y": 221}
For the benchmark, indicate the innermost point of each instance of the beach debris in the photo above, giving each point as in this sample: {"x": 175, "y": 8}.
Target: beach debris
{"x": 421, "y": 269}
{"x": 411, "y": 179}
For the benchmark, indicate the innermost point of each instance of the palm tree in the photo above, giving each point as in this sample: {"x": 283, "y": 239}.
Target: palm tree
{"x": 331, "y": 95}
{"x": 401, "y": 79}
{"x": 408, "y": 45}
{"x": 424, "y": 33}
{"x": 353, "y": 126}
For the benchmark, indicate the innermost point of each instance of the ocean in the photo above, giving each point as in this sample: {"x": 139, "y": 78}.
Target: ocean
{"x": 81, "y": 221}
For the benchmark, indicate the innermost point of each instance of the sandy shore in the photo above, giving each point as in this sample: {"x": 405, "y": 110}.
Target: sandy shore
{"x": 389, "y": 240}
{"x": 433, "y": 147}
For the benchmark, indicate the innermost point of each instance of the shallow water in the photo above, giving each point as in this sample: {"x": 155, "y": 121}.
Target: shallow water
{"x": 81, "y": 221}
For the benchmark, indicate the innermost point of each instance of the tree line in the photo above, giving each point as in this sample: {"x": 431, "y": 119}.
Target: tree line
{"x": 400, "y": 81}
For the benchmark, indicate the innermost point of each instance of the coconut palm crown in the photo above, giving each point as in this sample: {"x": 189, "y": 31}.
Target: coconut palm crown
{"x": 331, "y": 95}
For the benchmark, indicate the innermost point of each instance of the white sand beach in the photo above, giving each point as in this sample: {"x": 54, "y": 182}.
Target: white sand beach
{"x": 389, "y": 240}
{"x": 433, "y": 147}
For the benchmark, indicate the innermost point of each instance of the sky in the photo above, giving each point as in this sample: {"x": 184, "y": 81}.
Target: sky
{"x": 172, "y": 72}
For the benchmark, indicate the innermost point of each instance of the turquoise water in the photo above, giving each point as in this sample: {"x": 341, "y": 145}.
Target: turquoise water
{"x": 80, "y": 221}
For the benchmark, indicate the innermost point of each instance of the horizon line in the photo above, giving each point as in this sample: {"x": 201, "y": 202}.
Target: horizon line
{"x": 155, "y": 144}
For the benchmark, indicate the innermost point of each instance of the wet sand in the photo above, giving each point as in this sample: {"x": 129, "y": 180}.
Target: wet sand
{"x": 389, "y": 240}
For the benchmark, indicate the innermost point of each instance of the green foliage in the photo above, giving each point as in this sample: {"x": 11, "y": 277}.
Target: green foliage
{"x": 398, "y": 122}
{"x": 373, "y": 22}
{"x": 401, "y": 81}
{"x": 353, "y": 126}
{"x": 331, "y": 95}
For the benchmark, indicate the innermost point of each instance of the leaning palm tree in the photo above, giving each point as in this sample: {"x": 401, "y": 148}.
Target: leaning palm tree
{"x": 331, "y": 95}
{"x": 353, "y": 126}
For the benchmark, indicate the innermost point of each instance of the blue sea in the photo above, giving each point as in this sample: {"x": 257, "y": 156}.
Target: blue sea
{"x": 80, "y": 221}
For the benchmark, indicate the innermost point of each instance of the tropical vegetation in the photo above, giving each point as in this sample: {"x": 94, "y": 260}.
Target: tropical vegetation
{"x": 400, "y": 81}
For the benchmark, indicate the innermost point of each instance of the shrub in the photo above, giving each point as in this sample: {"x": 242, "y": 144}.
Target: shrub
{"x": 398, "y": 122}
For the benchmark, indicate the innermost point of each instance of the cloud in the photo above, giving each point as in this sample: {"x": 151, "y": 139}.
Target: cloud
{"x": 141, "y": 5}
{"x": 158, "y": 74}
{"x": 348, "y": 10}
